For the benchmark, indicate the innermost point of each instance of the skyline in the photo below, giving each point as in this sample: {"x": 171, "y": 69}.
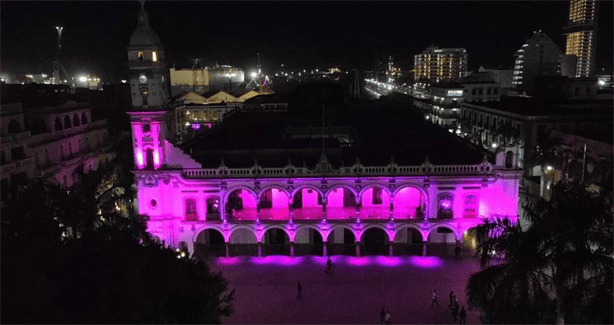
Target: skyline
{"x": 345, "y": 34}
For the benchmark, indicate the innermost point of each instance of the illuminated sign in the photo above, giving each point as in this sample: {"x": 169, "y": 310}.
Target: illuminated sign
{"x": 455, "y": 92}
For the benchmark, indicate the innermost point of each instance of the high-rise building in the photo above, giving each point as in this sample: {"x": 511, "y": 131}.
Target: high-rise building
{"x": 538, "y": 57}
{"x": 440, "y": 65}
{"x": 581, "y": 35}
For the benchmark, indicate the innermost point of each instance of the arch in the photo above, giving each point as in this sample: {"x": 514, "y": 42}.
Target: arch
{"x": 375, "y": 204}
{"x": 14, "y": 126}
{"x": 239, "y": 187}
{"x": 413, "y": 185}
{"x": 371, "y": 185}
{"x": 407, "y": 204}
{"x": 437, "y": 226}
{"x": 205, "y": 227}
{"x": 242, "y": 227}
{"x": 149, "y": 158}
{"x": 83, "y": 119}
{"x": 273, "y": 205}
{"x": 341, "y": 205}
{"x": 270, "y": 187}
{"x": 269, "y": 227}
{"x": 412, "y": 226}
{"x": 313, "y": 187}
{"x": 67, "y": 123}
{"x": 342, "y": 226}
{"x": 307, "y": 226}
{"x": 379, "y": 226}
{"x": 209, "y": 242}
{"x": 345, "y": 186}
{"x": 509, "y": 159}
{"x": 375, "y": 241}
{"x": 275, "y": 245}
{"x": 75, "y": 120}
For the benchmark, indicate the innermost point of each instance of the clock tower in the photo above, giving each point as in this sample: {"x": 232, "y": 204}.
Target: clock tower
{"x": 149, "y": 85}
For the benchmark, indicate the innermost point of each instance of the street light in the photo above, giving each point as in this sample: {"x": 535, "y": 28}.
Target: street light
{"x": 83, "y": 79}
{"x": 254, "y": 74}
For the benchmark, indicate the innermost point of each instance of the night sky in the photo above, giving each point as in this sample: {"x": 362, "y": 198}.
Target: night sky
{"x": 301, "y": 35}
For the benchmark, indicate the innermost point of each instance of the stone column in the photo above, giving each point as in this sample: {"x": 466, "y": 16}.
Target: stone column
{"x": 291, "y": 248}
{"x": 290, "y": 210}
{"x": 227, "y": 249}
{"x": 325, "y": 250}
{"x": 259, "y": 249}
{"x": 391, "y": 211}
{"x": 222, "y": 208}
{"x": 324, "y": 209}
{"x": 390, "y": 250}
{"x": 357, "y": 249}
{"x": 423, "y": 249}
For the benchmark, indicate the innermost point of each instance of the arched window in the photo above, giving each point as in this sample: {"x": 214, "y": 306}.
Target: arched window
{"x": 61, "y": 152}
{"x": 14, "y": 127}
{"x": 141, "y": 56}
{"x": 83, "y": 118}
{"x": 144, "y": 94}
{"x": 444, "y": 206}
{"x": 67, "y": 123}
{"x": 190, "y": 210}
{"x": 149, "y": 159}
{"x": 471, "y": 206}
{"x": 154, "y": 56}
{"x": 75, "y": 120}
{"x": 58, "y": 124}
{"x": 509, "y": 159}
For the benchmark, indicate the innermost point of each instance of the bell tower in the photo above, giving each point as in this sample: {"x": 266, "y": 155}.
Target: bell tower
{"x": 149, "y": 85}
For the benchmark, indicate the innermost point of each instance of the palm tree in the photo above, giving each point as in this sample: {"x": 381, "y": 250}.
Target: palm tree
{"x": 555, "y": 268}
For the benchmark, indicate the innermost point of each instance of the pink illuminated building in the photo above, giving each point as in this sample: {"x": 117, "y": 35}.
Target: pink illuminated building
{"x": 196, "y": 200}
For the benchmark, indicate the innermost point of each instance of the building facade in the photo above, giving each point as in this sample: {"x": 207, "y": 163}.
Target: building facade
{"x": 539, "y": 56}
{"x": 264, "y": 210}
{"x": 440, "y": 65}
{"x": 57, "y": 141}
{"x": 581, "y": 32}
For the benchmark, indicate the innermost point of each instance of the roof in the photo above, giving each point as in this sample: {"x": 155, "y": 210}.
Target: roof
{"x": 246, "y": 136}
{"x": 535, "y": 107}
{"x": 143, "y": 35}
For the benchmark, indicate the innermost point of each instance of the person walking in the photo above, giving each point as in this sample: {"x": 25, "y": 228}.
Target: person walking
{"x": 435, "y": 296}
{"x": 388, "y": 318}
{"x": 463, "y": 316}
{"x": 455, "y": 312}
{"x": 300, "y": 291}
{"x": 451, "y": 299}
{"x": 382, "y": 315}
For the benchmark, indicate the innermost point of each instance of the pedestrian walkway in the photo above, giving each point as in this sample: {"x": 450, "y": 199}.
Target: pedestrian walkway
{"x": 266, "y": 289}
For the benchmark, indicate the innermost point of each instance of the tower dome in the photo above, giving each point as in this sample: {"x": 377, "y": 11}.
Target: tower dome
{"x": 144, "y": 36}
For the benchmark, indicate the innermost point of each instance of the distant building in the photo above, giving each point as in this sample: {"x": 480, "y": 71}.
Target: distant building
{"x": 581, "y": 32}
{"x": 440, "y": 65}
{"x": 539, "y": 56}
{"x": 227, "y": 78}
{"x": 481, "y": 87}
{"x": 51, "y": 142}
{"x": 445, "y": 107}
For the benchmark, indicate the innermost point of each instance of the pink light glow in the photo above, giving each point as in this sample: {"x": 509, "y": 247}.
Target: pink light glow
{"x": 139, "y": 159}
{"x": 156, "y": 158}
{"x": 375, "y": 212}
{"x": 321, "y": 260}
{"x": 195, "y": 126}
{"x": 275, "y": 214}
{"x": 278, "y": 260}
{"x": 358, "y": 261}
{"x": 310, "y": 213}
{"x": 388, "y": 260}
{"x": 229, "y": 260}
{"x": 425, "y": 261}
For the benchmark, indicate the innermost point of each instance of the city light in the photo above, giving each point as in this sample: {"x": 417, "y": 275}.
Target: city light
{"x": 494, "y": 145}
{"x": 254, "y": 74}
{"x": 83, "y": 79}
{"x": 549, "y": 168}
{"x": 601, "y": 82}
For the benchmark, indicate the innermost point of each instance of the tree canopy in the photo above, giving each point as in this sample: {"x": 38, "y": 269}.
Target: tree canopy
{"x": 559, "y": 269}
{"x": 82, "y": 255}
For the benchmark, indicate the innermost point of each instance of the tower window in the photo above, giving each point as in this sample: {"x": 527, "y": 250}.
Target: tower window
{"x": 140, "y": 55}
{"x": 144, "y": 97}
{"x": 154, "y": 56}
{"x": 146, "y": 127}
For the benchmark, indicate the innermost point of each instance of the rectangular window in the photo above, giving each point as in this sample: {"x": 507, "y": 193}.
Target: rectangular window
{"x": 377, "y": 195}
{"x": 444, "y": 205}
{"x": 471, "y": 206}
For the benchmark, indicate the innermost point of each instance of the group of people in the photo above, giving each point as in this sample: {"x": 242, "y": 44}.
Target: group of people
{"x": 462, "y": 314}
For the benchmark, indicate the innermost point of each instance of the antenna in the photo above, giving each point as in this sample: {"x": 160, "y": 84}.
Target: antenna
{"x": 56, "y": 62}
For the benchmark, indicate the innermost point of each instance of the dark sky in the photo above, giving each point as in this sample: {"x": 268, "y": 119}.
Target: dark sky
{"x": 301, "y": 35}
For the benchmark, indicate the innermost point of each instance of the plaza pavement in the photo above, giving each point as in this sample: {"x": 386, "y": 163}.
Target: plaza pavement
{"x": 266, "y": 289}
